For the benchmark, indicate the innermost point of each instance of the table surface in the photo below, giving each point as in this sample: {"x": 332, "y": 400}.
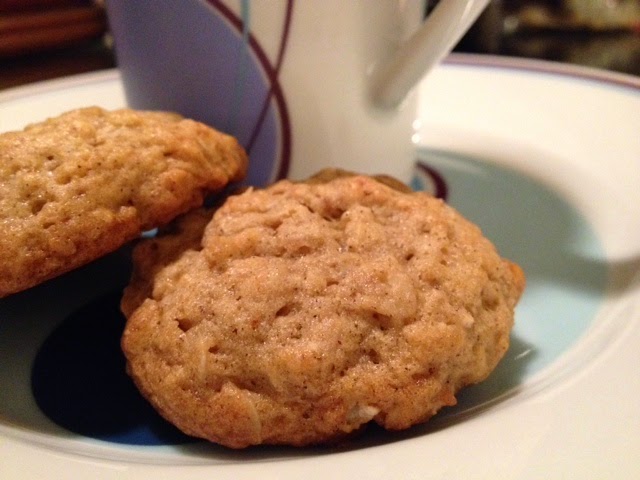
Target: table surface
{"x": 46, "y": 65}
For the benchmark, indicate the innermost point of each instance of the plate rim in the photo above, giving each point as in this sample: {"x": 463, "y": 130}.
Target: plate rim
{"x": 531, "y": 65}
{"x": 550, "y": 67}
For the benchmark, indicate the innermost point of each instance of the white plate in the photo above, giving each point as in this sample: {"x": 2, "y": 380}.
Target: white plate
{"x": 546, "y": 158}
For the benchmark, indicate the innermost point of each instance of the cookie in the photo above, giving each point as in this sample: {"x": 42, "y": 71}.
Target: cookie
{"x": 80, "y": 185}
{"x": 307, "y": 310}
{"x": 329, "y": 174}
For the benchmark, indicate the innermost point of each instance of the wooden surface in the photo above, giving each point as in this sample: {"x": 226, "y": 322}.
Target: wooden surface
{"x": 45, "y": 39}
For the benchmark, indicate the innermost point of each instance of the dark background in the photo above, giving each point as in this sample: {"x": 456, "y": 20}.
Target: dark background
{"x": 44, "y": 39}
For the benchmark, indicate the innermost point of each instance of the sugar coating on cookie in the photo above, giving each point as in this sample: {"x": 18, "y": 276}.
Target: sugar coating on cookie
{"x": 80, "y": 185}
{"x": 310, "y": 309}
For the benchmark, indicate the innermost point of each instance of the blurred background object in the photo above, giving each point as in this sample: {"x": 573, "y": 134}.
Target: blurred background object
{"x": 596, "y": 33}
{"x": 44, "y": 39}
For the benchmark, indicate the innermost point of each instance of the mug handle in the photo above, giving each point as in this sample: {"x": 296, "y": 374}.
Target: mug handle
{"x": 443, "y": 28}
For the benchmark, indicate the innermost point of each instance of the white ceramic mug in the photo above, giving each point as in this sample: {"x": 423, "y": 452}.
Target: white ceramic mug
{"x": 303, "y": 84}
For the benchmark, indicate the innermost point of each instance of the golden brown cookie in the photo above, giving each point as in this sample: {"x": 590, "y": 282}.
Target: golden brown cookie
{"x": 310, "y": 309}
{"x": 75, "y": 187}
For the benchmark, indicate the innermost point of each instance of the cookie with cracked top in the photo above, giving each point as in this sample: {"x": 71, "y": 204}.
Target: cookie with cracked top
{"x": 298, "y": 313}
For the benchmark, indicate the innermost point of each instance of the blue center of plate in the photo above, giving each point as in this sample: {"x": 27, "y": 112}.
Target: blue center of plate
{"x": 531, "y": 224}
{"x": 79, "y": 380}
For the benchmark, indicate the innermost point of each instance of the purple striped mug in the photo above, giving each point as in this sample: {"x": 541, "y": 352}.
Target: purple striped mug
{"x": 303, "y": 84}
